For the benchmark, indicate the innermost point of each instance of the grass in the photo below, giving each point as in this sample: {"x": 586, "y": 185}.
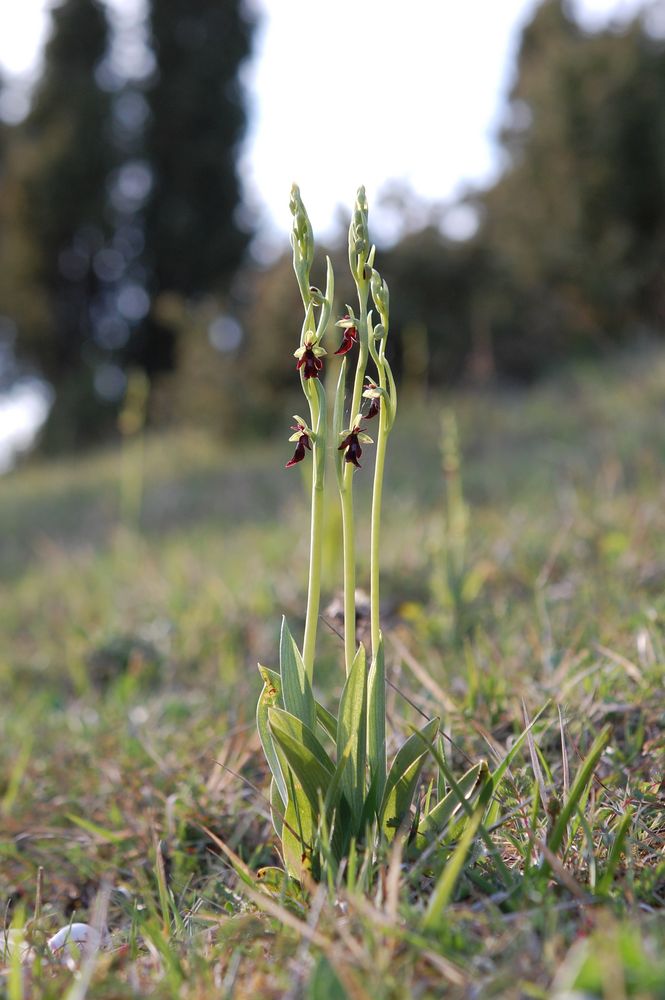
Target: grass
{"x": 130, "y": 766}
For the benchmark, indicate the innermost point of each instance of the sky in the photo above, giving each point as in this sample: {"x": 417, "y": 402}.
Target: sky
{"x": 358, "y": 92}
{"x": 343, "y": 93}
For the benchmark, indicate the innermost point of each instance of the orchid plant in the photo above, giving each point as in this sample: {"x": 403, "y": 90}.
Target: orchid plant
{"x": 331, "y": 789}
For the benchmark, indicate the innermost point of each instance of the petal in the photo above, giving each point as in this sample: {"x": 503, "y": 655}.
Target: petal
{"x": 298, "y": 455}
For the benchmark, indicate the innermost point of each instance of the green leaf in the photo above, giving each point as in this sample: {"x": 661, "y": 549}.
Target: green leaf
{"x": 352, "y": 731}
{"x": 296, "y": 688}
{"x": 327, "y": 721}
{"x": 403, "y": 778}
{"x": 268, "y": 699}
{"x": 324, "y": 984}
{"x": 288, "y": 723}
{"x": 298, "y": 832}
{"x": 438, "y": 818}
{"x": 306, "y": 763}
{"x": 376, "y": 723}
{"x": 277, "y": 808}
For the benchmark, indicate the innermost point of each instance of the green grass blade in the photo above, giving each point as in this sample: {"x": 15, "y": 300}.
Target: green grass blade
{"x": 618, "y": 844}
{"x": 577, "y": 791}
{"x": 445, "y": 886}
{"x": 437, "y": 819}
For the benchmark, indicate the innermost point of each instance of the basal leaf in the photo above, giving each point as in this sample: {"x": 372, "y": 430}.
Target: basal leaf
{"x": 352, "y": 734}
{"x": 376, "y": 723}
{"x": 403, "y": 778}
{"x": 296, "y": 688}
{"x": 268, "y": 699}
{"x": 310, "y": 771}
{"x": 288, "y": 723}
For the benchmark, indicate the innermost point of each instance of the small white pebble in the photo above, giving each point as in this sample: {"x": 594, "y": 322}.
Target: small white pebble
{"x": 83, "y": 936}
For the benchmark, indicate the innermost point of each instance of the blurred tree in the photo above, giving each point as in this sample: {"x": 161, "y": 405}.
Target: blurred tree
{"x": 54, "y": 216}
{"x": 577, "y": 221}
{"x": 194, "y": 240}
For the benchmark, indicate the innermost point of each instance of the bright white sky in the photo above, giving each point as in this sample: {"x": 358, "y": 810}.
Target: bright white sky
{"x": 360, "y": 91}
{"x": 349, "y": 92}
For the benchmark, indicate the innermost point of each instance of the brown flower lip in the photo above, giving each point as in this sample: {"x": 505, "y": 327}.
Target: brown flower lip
{"x": 349, "y": 338}
{"x": 312, "y": 365}
{"x": 374, "y": 407}
{"x": 303, "y": 442}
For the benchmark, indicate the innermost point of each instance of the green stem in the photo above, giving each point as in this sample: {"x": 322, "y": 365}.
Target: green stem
{"x": 375, "y": 544}
{"x": 346, "y": 493}
{"x": 318, "y": 419}
{"x": 349, "y": 545}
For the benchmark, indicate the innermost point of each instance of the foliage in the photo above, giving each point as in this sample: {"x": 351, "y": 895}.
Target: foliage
{"x": 54, "y": 215}
{"x": 127, "y": 689}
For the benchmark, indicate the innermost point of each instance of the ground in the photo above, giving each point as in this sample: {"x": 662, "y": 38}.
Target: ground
{"x": 140, "y": 586}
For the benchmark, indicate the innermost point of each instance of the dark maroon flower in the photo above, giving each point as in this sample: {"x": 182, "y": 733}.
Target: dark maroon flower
{"x": 309, "y": 358}
{"x": 301, "y": 437}
{"x": 349, "y": 337}
{"x": 352, "y": 444}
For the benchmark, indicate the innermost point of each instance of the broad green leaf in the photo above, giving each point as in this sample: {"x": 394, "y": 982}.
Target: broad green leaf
{"x": 376, "y": 723}
{"x": 437, "y": 819}
{"x": 327, "y": 721}
{"x": 312, "y": 774}
{"x": 403, "y": 778}
{"x": 298, "y": 833}
{"x": 296, "y": 689}
{"x": 277, "y": 808}
{"x": 288, "y": 723}
{"x": 352, "y": 732}
{"x": 268, "y": 699}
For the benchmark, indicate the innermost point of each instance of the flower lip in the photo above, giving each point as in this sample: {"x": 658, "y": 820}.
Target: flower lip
{"x": 301, "y": 436}
{"x": 349, "y": 335}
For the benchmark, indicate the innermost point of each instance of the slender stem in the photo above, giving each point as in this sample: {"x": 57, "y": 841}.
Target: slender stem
{"x": 318, "y": 419}
{"x": 349, "y": 545}
{"x": 375, "y": 545}
{"x": 346, "y": 494}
